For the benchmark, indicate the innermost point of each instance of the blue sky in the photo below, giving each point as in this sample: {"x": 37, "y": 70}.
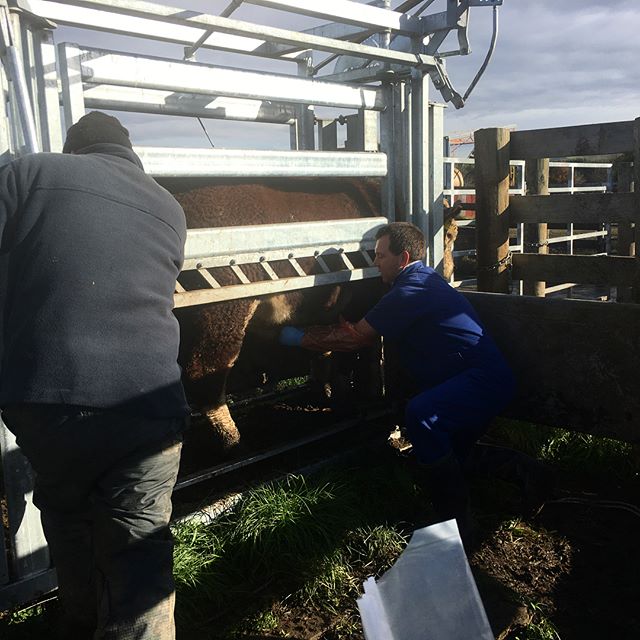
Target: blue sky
{"x": 557, "y": 63}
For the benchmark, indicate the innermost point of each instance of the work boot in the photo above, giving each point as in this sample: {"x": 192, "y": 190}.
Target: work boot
{"x": 449, "y": 494}
{"x": 533, "y": 478}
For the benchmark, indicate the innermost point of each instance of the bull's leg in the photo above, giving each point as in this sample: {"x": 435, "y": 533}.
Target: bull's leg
{"x": 223, "y": 426}
{"x": 320, "y": 374}
{"x": 211, "y": 341}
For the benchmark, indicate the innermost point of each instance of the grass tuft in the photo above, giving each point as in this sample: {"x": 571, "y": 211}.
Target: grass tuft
{"x": 569, "y": 450}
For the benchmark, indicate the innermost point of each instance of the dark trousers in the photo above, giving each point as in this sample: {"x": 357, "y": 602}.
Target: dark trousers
{"x": 454, "y": 414}
{"x": 103, "y": 486}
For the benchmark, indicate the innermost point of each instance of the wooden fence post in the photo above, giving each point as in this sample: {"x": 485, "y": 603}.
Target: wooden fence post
{"x": 492, "y": 202}
{"x": 635, "y": 292}
{"x": 626, "y": 244}
{"x": 536, "y": 236}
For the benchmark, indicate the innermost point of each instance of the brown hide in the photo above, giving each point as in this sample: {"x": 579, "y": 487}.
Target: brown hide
{"x": 213, "y": 335}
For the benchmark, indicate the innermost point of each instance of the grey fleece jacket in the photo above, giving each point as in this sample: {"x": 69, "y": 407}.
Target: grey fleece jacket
{"x": 90, "y": 248}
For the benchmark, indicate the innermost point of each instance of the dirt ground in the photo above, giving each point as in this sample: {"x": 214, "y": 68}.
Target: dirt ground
{"x": 571, "y": 566}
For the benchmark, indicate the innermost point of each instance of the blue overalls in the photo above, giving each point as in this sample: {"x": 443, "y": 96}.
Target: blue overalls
{"x": 462, "y": 378}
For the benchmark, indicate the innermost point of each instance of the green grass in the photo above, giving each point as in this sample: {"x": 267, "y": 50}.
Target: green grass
{"x": 306, "y": 544}
{"x": 310, "y": 543}
{"x": 291, "y": 383}
{"x": 568, "y": 450}
{"x": 540, "y": 627}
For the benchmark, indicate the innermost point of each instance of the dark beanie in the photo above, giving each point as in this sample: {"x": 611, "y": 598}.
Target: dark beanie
{"x": 94, "y": 128}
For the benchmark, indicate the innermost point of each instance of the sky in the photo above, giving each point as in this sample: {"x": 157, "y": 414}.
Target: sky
{"x": 556, "y": 63}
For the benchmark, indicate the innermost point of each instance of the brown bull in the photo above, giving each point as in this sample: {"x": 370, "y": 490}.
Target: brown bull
{"x": 212, "y": 335}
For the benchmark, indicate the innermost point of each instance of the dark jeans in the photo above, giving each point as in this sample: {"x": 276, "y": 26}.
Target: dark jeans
{"x": 103, "y": 486}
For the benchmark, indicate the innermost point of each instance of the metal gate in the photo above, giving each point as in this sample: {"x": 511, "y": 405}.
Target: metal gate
{"x": 383, "y": 61}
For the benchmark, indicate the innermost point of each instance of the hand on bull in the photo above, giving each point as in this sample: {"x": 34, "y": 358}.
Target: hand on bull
{"x": 291, "y": 336}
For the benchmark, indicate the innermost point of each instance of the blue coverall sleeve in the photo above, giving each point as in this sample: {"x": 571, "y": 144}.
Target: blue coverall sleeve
{"x": 393, "y": 314}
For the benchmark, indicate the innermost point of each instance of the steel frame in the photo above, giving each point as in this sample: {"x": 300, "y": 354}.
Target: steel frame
{"x": 571, "y": 236}
{"x": 38, "y": 76}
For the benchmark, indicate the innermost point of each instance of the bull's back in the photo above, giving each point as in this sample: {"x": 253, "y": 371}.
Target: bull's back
{"x": 234, "y": 203}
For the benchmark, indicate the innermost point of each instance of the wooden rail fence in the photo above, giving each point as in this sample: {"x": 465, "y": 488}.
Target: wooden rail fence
{"x": 575, "y": 361}
{"x": 497, "y": 211}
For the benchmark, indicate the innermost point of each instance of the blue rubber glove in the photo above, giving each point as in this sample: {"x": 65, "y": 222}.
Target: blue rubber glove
{"x": 291, "y": 336}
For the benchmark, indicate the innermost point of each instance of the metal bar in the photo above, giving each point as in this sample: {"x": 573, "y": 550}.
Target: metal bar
{"x": 296, "y": 267}
{"x": 403, "y": 152}
{"x": 270, "y": 272}
{"x": 389, "y": 147}
{"x": 5, "y": 123}
{"x": 367, "y": 258}
{"x": 580, "y": 165}
{"x": 349, "y": 12}
{"x": 29, "y": 552}
{"x": 600, "y": 189}
{"x": 189, "y": 52}
{"x": 304, "y": 122}
{"x": 240, "y": 274}
{"x": 108, "y": 67}
{"x": 577, "y": 236}
{"x": 267, "y": 287}
{"x": 261, "y": 38}
{"x": 16, "y": 76}
{"x": 71, "y": 83}
{"x": 371, "y": 73}
{"x": 420, "y": 156}
{"x": 227, "y": 163}
{"x": 345, "y": 259}
{"x": 560, "y": 287}
{"x": 272, "y": 255}
{"x": 227, "y": 467}
{"x": 116, "y": 98}
{"x": 293, "y": 240}
{"x": 32, "y": 68}
{"x": 209, "y": 279}
{"x": 323, "y": 264}
{"x": 25, "y": 590}
{"x": 51, "y": 124}
{"x": 436, "y": 184}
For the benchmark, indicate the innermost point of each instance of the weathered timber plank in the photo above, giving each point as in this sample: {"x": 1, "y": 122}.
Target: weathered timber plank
{"x": 635, "y": 293}
{"x": 607, "y": 270}
{"x": 575, "y": 361}
{"x": 492, "y": 202}
{"x": 582, "y": 140}
{"x": 536, "y": 174}
{"x": 579, "y": 208}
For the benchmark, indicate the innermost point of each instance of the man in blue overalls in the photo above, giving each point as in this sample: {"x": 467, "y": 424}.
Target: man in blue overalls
{"x": 460, "y": 378}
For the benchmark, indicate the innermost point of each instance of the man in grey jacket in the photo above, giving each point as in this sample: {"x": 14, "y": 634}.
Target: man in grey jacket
{"x": 89, "y": 380}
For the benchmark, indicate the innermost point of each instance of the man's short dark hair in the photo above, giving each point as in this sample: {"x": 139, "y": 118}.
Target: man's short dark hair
{"x": 404, "y": 236}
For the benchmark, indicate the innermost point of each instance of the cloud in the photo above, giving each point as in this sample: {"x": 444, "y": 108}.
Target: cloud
{"x": 557, "y": 63}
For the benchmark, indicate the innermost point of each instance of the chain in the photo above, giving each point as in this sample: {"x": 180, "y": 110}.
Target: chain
{"x": 507, "y": 261}
{"x": 536, "y": 245}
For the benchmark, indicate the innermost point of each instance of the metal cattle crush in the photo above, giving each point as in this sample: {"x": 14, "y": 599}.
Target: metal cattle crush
{"x": 376, "y": 62}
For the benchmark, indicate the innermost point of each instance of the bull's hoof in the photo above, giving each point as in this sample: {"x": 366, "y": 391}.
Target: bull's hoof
{"x": 223, "y": 427}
